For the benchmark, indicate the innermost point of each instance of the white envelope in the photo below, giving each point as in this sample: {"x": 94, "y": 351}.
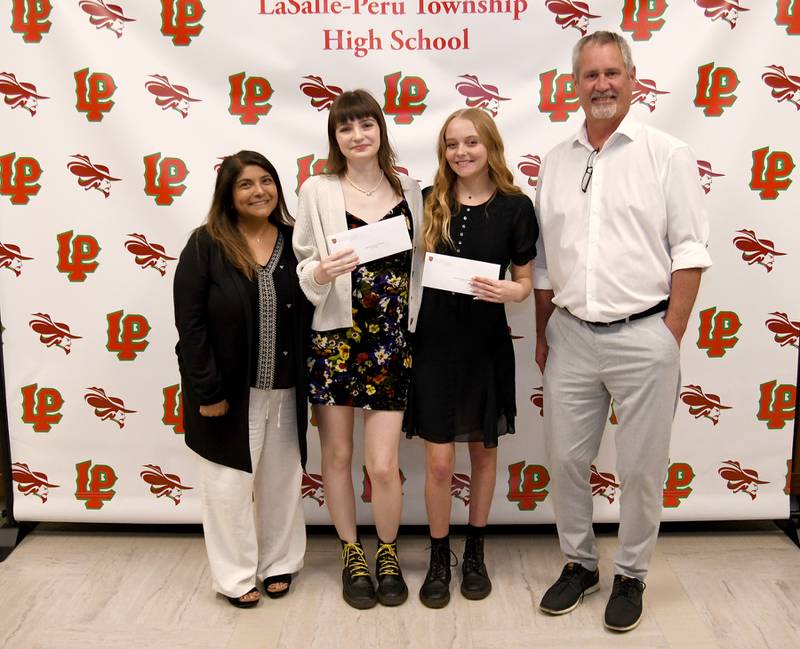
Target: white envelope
{"x": 454, "y": 273}
{"x": 375, "y": 240}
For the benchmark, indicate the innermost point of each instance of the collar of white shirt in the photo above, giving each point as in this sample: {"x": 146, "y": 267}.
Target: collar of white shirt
{"x": 628, "y": 128}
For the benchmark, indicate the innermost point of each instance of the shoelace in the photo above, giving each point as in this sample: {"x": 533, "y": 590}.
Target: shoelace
{"x": 354, "y": 560}
{"x": 627, "y": 587}
{"x": 473, "y": 557}
{"x": 440, "y": 562}
{"x": 386, "y": 558}
{"x": 567, "y": 574}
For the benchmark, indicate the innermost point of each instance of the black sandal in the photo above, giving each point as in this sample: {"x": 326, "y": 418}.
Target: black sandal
{"x": 277, "y": 579}
{"x": 238, "y": 602}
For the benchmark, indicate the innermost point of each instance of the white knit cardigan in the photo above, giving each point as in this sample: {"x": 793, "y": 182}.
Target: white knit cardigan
{"x": 321, "y": 213}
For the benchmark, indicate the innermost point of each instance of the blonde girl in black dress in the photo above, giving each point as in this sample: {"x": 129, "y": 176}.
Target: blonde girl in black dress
{"x": 463, "y": 376}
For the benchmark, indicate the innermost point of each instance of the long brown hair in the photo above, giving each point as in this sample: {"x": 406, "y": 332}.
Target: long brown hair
{"x": 441, "y": 202}
{"x": 223, "y": 217}
{"x": 359, "y": 104}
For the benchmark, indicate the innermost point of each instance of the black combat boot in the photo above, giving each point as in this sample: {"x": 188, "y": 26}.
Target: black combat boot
{"x": 392, "y": 589}
{"x": 475, "y": 583}
{"x": 357, "y": 587}
{"x": 435, "y": 591}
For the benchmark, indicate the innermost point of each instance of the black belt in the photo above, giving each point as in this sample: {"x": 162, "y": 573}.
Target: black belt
{"x": 658, "y": 308}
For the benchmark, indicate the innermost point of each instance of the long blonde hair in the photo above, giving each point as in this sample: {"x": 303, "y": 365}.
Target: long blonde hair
{"x": 441, "y": 202}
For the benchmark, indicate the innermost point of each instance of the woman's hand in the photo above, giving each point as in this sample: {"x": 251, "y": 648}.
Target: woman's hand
{"x": 339, "y": 263}
{"x": 215, "y": 409}
{"x": 540, "y": 355}
{"x": 498, "y": 291}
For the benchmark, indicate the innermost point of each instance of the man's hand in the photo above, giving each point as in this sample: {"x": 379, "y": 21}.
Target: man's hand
{"x": 544, "y": 309}
{"x": 676, "y": 329}
{"x": 685, "y": 284}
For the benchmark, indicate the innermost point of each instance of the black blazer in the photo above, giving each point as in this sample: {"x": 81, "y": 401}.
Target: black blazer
{"x": 215, "y": 321}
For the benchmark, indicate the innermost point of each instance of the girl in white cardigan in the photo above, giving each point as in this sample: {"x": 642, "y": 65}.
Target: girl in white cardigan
{"x": 360, "y": 355}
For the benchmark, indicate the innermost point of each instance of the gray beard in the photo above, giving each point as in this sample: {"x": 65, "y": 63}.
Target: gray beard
{"x": 604, "y": 111}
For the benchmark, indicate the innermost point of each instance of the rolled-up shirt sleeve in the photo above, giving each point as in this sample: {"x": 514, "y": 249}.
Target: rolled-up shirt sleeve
{"x": 541, "y": 280}
{"x": 687, "y": 221}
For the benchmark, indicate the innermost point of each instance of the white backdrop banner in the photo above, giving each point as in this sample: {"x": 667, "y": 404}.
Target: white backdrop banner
{"x": 116, "y": 115}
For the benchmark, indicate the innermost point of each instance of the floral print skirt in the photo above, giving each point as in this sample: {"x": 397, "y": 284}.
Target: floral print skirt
{"x": 368, "y": 365}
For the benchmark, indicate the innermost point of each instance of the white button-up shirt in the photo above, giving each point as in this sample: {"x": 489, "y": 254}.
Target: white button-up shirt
{"x": 610, "y": 252}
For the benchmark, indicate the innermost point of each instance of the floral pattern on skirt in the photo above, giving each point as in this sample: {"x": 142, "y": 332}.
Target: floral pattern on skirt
{"x": 368, "y": 365}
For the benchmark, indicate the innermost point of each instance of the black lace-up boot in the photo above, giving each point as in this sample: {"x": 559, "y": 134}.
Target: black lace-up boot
{"x": 435, "y": 591}
{"x": 357, "y": 587}
{"x": 475, "y": 582}
{"x": 392, "y": 589}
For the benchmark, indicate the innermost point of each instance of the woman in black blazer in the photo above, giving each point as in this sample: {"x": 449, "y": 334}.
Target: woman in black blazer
{"x": 243, "y": 324}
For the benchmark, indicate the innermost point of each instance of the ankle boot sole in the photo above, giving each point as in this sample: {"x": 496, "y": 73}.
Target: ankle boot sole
{"x": 435, "y": 603}
{"x": 392, "y": 600}
{"x": 360, "y": 604}
{"x": 476, "y": 594}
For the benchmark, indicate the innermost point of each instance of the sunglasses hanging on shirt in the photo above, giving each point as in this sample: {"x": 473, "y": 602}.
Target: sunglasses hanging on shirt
{"x": 587, "y": 175}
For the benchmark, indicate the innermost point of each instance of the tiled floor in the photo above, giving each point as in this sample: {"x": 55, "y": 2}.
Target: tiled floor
{"x": 65, "y": 587}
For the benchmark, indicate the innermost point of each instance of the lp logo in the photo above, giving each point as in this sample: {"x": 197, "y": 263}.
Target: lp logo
{"x": 557, "y": 95}
{"x": 307, "y": 167}
{"x": 76, "y": 255}
{"x": 643, "y": 17}
{"x": 94, "y": 484}
{"x": 40, "y": 407}
{"x": 676, "y": 485}
{"x": 789, "y": 16}
{"x": 18, "y": 178}
{"x": 126, "y": 335}
{"x": 776, "y": 404}
{"x": 180, "y": 20}
{"x": 30, "y": 18}
{"x": 249, "y": 97}
{"x": 163, "y": 178}
{"x": 93, "y": 93}
{"x": 404, "y": 97}
{"x": 526, "y": 485}
{"x": 715, "y": 88}
{"x": 770, "y": 173}
{"x": 173, "y": 408}
{"x": 718, "y": 331}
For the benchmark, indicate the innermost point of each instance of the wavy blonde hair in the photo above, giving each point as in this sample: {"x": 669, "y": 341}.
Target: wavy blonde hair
{"x": 441, "y": 203}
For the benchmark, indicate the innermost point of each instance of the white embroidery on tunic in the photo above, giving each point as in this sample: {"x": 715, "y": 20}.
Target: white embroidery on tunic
{"x": 267, "y": 311}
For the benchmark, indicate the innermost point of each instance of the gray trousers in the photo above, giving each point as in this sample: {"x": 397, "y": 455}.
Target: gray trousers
{"x": 638, "y": 365}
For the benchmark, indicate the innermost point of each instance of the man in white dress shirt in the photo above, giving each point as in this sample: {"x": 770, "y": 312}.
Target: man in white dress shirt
{"x": 621, "y": 252}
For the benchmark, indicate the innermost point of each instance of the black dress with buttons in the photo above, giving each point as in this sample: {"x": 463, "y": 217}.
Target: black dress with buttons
{"x": 463, "y": 387}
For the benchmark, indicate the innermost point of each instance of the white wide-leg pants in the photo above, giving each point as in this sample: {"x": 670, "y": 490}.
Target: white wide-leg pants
{"x": 638, "y": 365}
{"x": 253, "y": 522}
